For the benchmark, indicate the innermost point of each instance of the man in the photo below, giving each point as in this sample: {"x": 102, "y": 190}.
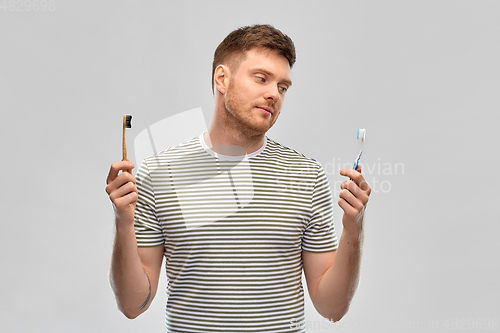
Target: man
{"x": 237, "y": 215}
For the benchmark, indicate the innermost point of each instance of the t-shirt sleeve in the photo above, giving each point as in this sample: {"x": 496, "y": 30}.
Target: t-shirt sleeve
{"x": 148, "y": 230}
{"x": 320, "y": 235}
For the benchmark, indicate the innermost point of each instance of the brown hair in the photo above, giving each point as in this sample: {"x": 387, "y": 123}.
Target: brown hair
{"x": 246, "y": 38}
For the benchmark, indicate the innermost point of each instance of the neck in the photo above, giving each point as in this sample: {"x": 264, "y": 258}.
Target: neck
{"x": 231, "y": 143}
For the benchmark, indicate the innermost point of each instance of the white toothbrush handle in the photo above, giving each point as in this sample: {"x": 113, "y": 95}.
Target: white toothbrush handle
{"x": 356, "y": 162}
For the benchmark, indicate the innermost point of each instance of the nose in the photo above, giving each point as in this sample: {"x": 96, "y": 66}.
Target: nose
{"x": 273, "y": 94}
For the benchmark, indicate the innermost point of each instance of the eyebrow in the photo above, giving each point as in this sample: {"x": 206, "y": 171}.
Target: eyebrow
{"x": 289, "y": 82}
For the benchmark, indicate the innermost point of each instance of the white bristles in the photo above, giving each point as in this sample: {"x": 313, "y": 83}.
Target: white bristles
{"x": 361, "y": 133}
{"x": 362, "y": 136}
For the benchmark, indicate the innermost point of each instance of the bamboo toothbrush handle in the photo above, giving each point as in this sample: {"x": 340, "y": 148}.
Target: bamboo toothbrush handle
{"x": 124, "y": 147}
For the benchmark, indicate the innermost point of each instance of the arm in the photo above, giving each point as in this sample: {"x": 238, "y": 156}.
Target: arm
{"x": 332, "y": 277}
{"x": 134, "y": 271}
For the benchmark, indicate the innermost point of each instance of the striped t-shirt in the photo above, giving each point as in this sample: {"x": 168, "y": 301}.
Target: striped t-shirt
{"x": 233, "y": 229}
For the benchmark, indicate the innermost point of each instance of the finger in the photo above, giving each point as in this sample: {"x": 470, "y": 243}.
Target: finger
{"x": 123, "y": 178}
{"x": 363, "y": 185}
{"x": 123, "y": 202}
{"x": 357, "y": 177}
{"x": 347, "y": 208}
{"x": 351, "y": 186}
{"x": 122, "y": 191}
{"x": 349, "y": 173}
{"x": 128, "y": 169}
{"x": 116, "y": 168}
{"x": 351, "y": 199}
{"x": 355, "y": 190}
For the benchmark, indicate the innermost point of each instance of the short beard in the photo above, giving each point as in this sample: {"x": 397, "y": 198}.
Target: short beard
{"x": 236, "y": 119}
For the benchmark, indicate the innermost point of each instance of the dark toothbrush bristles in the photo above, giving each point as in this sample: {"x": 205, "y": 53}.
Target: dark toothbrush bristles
{"x": 128, "y": 121}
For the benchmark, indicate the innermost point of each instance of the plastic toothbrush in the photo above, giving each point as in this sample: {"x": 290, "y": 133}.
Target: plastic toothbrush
{"x": 362, "y": 136}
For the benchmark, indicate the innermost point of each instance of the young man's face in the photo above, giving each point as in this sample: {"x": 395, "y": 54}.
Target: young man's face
{"x": 256, "y": 91}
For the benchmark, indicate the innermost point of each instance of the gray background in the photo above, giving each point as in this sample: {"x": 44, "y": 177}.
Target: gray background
{"x": 421, "y": 76}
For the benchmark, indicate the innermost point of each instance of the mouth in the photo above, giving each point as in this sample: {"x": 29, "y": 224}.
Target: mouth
{"x": 265, "y": 109}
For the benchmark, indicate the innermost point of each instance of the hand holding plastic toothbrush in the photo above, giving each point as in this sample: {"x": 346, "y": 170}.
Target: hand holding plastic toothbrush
{"x": 354, "y": 195}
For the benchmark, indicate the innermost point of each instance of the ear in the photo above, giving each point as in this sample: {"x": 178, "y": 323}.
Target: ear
{"x": 221, "y": 78}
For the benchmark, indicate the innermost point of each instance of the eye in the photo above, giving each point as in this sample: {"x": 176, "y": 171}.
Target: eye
{"x": 260, "y": 79}
{"x": 283, "y": 89}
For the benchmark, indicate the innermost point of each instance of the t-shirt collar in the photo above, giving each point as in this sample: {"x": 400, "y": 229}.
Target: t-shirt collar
{"x": 231, "y": 158}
